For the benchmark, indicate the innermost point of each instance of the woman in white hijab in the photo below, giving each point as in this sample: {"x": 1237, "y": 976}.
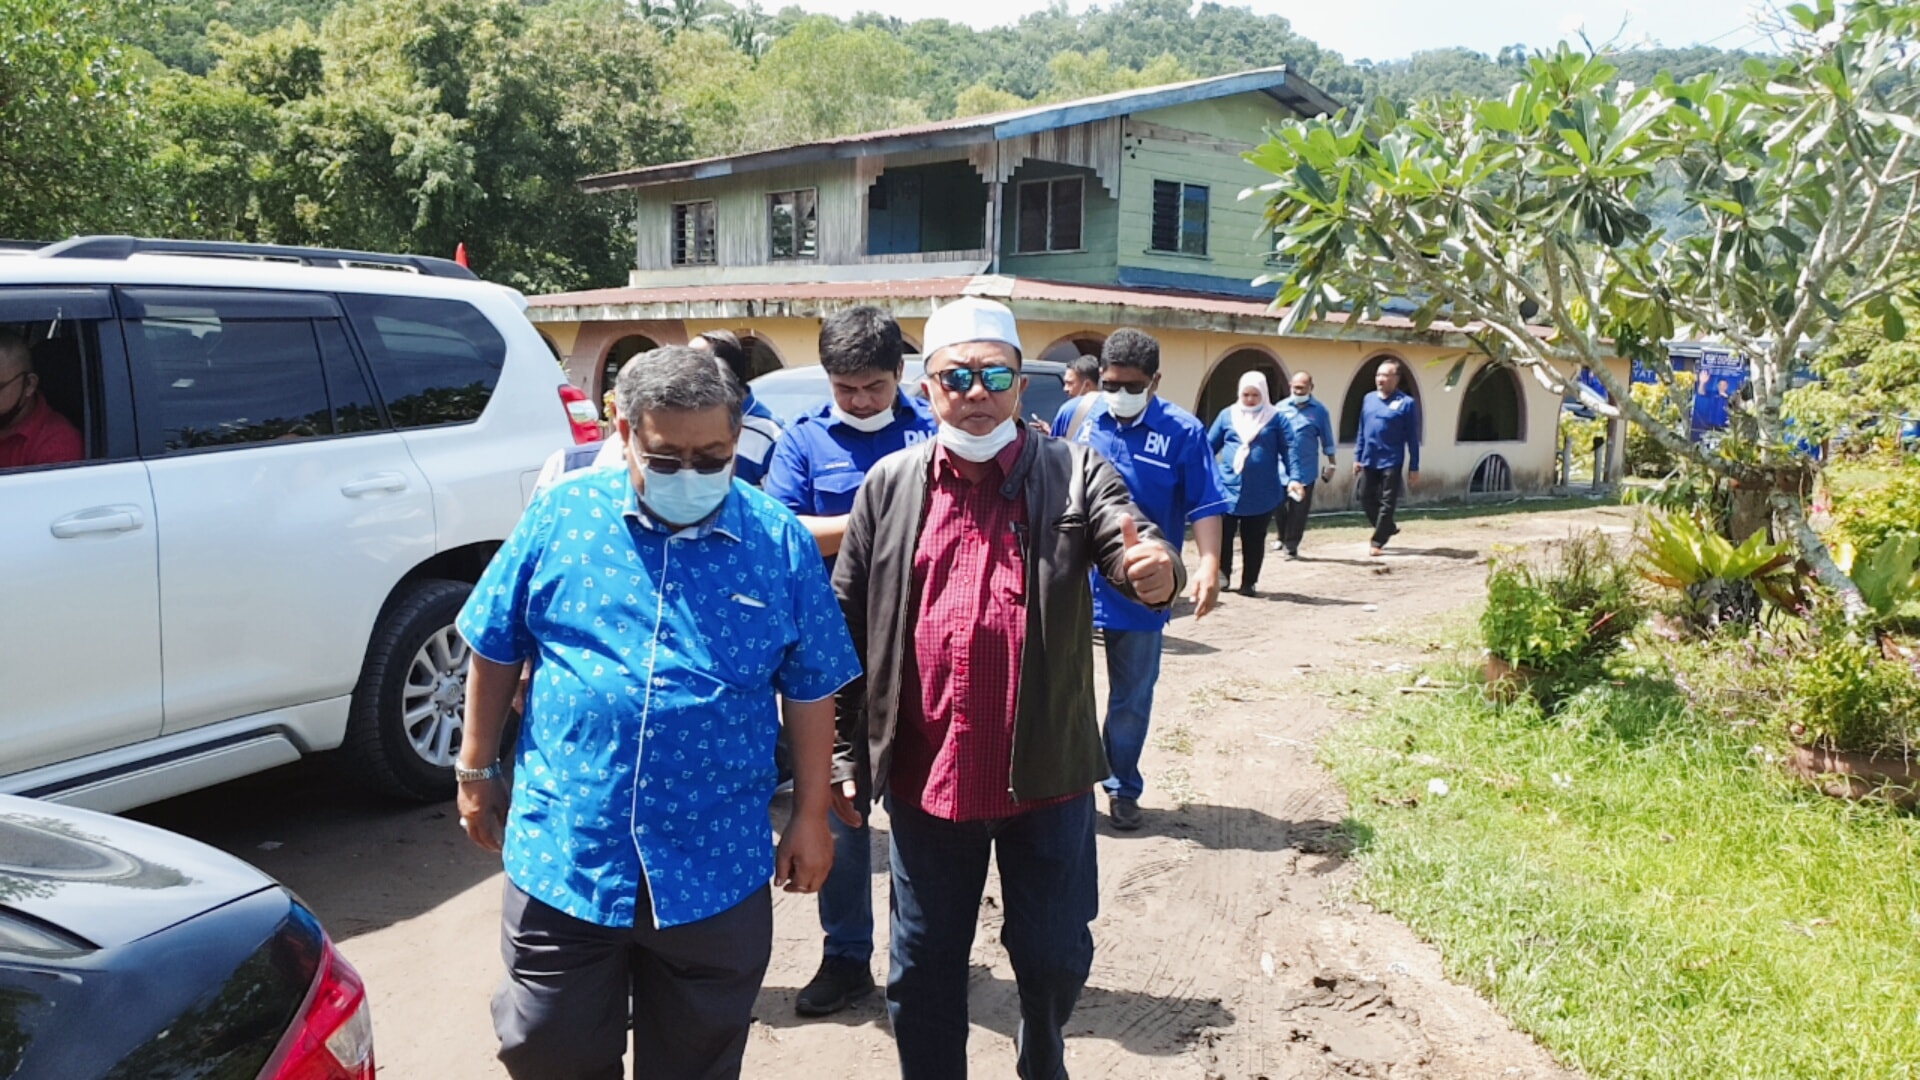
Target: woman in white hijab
{"x": 1253, "y": 454}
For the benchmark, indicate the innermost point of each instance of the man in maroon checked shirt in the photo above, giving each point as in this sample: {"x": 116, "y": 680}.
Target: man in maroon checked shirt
{"x": 964, "y": 579}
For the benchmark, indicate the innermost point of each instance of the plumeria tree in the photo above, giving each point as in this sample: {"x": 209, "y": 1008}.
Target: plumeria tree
{"x": 1522, "y": 221}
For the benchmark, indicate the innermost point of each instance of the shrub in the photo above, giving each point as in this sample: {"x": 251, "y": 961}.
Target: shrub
{"x": 1848, "y": 695}
{"x": 1560, "y": 608}
{"x": 1644, "y": 455}
{"x": 1866, "y": 516}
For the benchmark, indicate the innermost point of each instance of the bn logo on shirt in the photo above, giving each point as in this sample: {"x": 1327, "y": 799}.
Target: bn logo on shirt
{"x": 1158, "y": 444}
{"x": 917, "y": 437}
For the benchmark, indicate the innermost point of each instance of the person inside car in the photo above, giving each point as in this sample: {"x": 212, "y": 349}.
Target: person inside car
{"x": 32, "y": 432}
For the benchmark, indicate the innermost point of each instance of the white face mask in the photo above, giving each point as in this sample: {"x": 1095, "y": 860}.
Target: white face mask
{"x": 1124, "y": 405}
{"x": 1300, "y": 399}
{"x": 977, "y": 448}
{"x": 869, "y": 424}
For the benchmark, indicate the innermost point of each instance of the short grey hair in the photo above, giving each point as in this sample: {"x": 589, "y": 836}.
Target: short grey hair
{"x": 675, "y": 378}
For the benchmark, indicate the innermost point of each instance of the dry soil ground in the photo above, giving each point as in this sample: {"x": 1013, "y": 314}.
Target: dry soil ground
{"x": 1227, "y": 945}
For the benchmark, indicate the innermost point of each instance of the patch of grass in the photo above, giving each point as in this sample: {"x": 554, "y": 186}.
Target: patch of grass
{"x": 1218, "y": 691}
{"x": 1636, "y": 883}
{"x": 1176, "y": 783}
{"x": 1175, "y": 738}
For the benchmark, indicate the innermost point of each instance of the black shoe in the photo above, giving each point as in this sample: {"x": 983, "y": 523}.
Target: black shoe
{"x": 1246, "y": 590}
{"x": 1124, "y": 813}
{"x": 839, "y": 983}
{"x": 1292, "y": 554}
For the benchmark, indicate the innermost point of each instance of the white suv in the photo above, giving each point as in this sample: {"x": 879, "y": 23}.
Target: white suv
{"x": 295, "y": 466}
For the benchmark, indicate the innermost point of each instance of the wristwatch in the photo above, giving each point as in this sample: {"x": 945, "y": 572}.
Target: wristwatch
{"x": 486, "y": 772}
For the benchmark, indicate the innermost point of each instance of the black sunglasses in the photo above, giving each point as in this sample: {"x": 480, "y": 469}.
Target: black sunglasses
{"x": 667, "y": 466}
{"x": 997, "y": 379}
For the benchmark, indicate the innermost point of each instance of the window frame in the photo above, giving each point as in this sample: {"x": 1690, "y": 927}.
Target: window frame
{"x": 812, "y": 200}
{"x": 107, "y": 424}
{"x": 1182, "y": 196}
{"x": 232, "y": 306}
{"x": 1047, "y": 229}
{"x": 676, "y": 236}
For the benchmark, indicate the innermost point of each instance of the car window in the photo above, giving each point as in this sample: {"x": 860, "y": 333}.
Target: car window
{"x": 434, "y": 361}
{"x": 227, "y": 374}
{"x": 49, "y": 367}
{"x": 354, "y": 408}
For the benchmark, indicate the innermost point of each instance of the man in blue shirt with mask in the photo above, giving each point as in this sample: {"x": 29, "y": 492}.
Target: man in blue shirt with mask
{"x": 817, "y": 469}
{"x": 1389, "y": 437}
{"x": 1312, "y": 436}
{"x": 664, "y": 604}
{"x": 1161, "y": 451}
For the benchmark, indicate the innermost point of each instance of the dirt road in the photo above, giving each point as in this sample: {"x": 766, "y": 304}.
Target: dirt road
{"x": 1227, "y": 945}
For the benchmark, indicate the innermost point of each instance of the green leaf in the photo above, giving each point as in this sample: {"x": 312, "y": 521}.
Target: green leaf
{"x": 1893, "y": 324}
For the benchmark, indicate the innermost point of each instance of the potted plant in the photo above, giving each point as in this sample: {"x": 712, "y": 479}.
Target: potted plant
{"x": 1856, "y": 722}
{"x": 1718, "y": 581}
{"x": 1552, "y": 613}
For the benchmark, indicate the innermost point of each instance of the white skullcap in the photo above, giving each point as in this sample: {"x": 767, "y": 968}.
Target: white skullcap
{"x": 970, "y": 318}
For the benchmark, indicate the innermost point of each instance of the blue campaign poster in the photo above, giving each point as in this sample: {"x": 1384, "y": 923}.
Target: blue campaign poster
{"x": 1722, "y": 373}
{"x": 1645, "y": 373}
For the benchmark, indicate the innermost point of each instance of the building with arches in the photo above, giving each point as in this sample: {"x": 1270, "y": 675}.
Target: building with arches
{"x": 1084, "y": 216}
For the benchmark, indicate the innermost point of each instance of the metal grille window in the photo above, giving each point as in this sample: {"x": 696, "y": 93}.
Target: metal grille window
{"x": 793, "y": 223}
{"x": 1179, "y": 217}
{"x": 1050, "y": 214}
{"x": 694, "y": 226}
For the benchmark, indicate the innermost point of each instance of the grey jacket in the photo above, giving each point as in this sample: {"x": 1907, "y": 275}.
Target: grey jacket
{"x": 1075, "y": 505}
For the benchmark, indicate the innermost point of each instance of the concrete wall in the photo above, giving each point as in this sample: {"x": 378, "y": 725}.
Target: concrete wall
{"x": 1188, "y": 360}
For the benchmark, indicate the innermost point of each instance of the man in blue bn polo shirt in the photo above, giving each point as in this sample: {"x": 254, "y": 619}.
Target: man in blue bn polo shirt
{"x": 663, "y": 604}
{"x": 1161, "y": 451}
{"x": 817, "y": 468}
{"x": 1389, "y": 436}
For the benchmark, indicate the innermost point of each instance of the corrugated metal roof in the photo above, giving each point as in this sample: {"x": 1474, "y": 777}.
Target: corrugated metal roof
{"x": 1292, "y": 91}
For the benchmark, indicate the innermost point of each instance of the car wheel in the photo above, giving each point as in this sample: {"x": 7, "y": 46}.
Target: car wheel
{"x": 404, "y": 730}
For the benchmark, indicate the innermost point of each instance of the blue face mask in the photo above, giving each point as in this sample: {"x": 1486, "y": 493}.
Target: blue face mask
{"x": 684, "y": 497}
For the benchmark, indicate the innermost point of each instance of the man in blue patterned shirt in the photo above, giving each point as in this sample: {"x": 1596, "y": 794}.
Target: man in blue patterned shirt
{"x": 663, "y": 604}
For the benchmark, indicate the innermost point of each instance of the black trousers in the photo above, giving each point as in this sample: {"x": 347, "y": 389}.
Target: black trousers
{"x": 1380, "y": 497}
{"x": 1293, "y": 520}
{"x": 562, "y": 1011}
{"x": 1252, "y": 531}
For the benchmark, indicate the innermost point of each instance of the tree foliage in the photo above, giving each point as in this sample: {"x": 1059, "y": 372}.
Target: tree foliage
{"x": 69, "y": 125}
{"x": 1518, "y": 218}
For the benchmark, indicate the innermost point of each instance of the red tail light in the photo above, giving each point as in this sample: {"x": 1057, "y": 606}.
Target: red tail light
{"x": 581, "y": 414}
{"x": 332, "y": 1037}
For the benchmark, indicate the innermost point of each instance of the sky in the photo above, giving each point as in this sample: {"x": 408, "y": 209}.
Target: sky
{"x": 1391, "y": 29}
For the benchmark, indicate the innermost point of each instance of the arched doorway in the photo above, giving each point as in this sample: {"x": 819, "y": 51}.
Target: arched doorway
{"x": 761, "y": 357}
{"x": 1362, "y": 385}
{"x": 1492, "y": 409}
{"x": 1067, "y": 349}
{"x": 622, "y": 351}
{"x": 1222, "y": 387}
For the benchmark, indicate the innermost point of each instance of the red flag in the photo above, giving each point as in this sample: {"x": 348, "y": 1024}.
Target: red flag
{"x": 460, "y": 253}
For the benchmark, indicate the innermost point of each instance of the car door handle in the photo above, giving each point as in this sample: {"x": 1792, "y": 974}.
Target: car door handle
{"x": 373, "y": 485}
{"x": 98, "y": 520}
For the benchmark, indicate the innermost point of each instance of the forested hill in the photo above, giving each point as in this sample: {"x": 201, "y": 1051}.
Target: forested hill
{"x": 415, "y": 125}
{"x": 1208, "y": 39}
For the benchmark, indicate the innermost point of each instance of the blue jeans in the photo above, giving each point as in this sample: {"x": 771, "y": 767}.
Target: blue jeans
{"x": 1050, "y": 892}
{"x": 846, "y": 900}
{"x": 1133, "y": 666}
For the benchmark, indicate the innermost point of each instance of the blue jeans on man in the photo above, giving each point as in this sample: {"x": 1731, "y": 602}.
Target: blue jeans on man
{"x": 1133, "y": 667}
{"x": 846, "y": 900}
{"x": 1049, "y": 891}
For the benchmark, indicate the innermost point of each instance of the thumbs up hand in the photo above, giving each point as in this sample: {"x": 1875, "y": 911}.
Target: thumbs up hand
{"x": 1149, "y": 565}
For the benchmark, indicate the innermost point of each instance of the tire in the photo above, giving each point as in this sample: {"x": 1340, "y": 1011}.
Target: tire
{"x": 416, "y": 662}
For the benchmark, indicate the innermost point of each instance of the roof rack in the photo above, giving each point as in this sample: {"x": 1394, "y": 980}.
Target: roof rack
{"x": 123, "y": 247}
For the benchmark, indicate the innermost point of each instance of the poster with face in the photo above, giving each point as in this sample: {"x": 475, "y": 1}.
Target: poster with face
{"x": 1722, "y": 374}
